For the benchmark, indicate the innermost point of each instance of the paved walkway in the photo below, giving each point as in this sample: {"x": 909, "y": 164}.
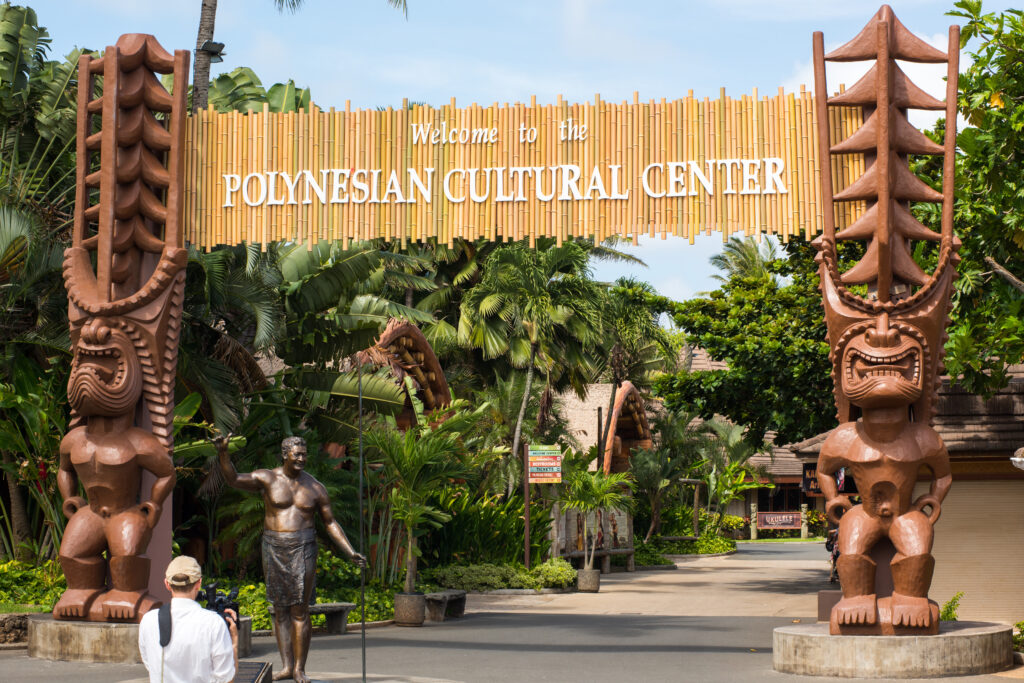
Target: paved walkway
{"x": 709, "y": 620}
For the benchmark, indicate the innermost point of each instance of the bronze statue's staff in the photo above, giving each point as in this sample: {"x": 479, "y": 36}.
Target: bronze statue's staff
{"x": 291, "y": 498}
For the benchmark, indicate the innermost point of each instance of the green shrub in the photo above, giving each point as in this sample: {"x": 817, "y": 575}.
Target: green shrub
{"x": 648, "y": 555}
{"x": 1018, "y": 636}
{"x": 708, "y": 544}
{"x": 23, "y": 583}
{"x": 949, "y": 609}
{"x": 817, "y": 523}
{"x": 555, "y": 573}
{"x": 677, "y": 520}
{"x": 484, "y": 530}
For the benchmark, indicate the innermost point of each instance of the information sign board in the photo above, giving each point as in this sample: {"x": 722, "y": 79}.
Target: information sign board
{"x": 544, "y": 464}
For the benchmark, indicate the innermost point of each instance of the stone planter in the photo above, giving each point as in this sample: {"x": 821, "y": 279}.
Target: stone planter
{"x": 588, "y": 580}
{"x": 410, "y": 609}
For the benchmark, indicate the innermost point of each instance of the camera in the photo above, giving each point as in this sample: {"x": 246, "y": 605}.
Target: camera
{"x": 218, "y": 602}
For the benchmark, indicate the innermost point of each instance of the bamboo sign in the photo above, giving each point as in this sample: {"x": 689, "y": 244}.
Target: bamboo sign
{"x": 510, "y": 172}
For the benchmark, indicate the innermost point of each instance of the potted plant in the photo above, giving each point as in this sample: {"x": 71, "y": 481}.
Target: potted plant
{"x": 588, "y": 492}
{"x": 415, "y": 465}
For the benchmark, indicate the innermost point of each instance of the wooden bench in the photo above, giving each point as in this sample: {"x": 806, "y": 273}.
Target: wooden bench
{"x": 448, "y": 604}
{"x": 336, "y": 613}
{"x": 606, "y": 557}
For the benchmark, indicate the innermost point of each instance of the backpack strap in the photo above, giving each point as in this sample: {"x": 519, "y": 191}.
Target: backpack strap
{"x": 164, "y": 619}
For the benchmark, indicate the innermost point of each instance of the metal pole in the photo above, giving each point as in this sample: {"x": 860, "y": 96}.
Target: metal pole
{"x": 362, "y": 550}
{"x": 526, "y": 504}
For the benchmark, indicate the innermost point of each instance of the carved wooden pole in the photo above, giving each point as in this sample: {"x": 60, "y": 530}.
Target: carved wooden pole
{"x": 886, "y": 322}
{"x": 125, "y": 276}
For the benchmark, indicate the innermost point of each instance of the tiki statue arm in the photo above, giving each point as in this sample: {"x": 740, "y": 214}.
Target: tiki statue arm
{"x": 67, "y": 478}
{"x": 836, "y": 504}
{"x": 938, "y": 462}
{"x": 155, "y": 458}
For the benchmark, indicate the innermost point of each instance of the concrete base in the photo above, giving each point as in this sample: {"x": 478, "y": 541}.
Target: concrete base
{"x": 962, "y": 648}
{"x": 82, "y": 641}
{"x": 92, "y": 641}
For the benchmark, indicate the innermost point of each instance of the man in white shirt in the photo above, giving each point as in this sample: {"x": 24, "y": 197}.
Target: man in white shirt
{"x": 203, "y": 649}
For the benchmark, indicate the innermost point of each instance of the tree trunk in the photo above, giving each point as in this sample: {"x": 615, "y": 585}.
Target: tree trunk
{"x": 522, "y": 412}
{"x": 546, "y": 400}
{"x": 556, "y": 514}
{"x": 410, "y": 563}
{"x": 655, "y": 516}
{"x": 201, "y": 70}
{"x": 408, "y": 297}
{"x": 18, "y": 517}
{"x": 607, "y": 426}
{"x": 588, "y": 562}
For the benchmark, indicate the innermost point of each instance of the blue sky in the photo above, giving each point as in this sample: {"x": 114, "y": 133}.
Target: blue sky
{"x": 367, "y": 52}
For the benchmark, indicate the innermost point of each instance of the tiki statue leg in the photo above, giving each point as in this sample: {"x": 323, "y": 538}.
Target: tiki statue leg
{"x": 858, "y": 532}
{"x": 82, "y": 561}
{"x": 912, "y": 568}
{"x": 128, "y": 534}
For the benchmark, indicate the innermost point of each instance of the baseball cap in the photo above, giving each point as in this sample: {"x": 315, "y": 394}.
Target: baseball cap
{"x": 182, "y": 571}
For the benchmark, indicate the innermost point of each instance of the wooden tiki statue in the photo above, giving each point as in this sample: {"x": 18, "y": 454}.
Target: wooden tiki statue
{"x": 886, "y": 321}
{"x": 125, "y": 277}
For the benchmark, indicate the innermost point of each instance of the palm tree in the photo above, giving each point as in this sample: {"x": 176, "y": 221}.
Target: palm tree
{"x": 415, "y": 466}
{"x": 207, "y": 20}
{"x": 587, "y": 492}
{"x": 744, "y": 257}
{"x": 537, "y": 307}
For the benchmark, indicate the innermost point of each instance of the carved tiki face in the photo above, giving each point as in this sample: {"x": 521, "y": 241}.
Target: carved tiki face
{"x": 106, "y": 376}
{"x": 881, "y": 367}
{"x": 887, "y": 354}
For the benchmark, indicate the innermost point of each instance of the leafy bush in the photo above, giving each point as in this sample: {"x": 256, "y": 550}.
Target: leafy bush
{"x": 555, "y": 573}
{"x": 648, "y": 555}
{"x": 708, "y": 544}
{"x": 1018, "y": 636}
{"x": 817, "y": 523}
{"x": 949, "y": 609}
{"x": 23, "y": 583}
{"x": 484, "y": 530}
{"x": 677, "y": 520}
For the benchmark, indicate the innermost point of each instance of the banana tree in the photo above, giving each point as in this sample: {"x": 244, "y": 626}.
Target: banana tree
{"x": 726, "y": 468}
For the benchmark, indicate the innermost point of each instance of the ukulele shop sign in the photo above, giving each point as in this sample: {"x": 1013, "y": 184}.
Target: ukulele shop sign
{"x": 512, "y": 171}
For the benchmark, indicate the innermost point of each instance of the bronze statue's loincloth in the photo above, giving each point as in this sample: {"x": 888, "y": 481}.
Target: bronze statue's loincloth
{"x": 288, "y": 558}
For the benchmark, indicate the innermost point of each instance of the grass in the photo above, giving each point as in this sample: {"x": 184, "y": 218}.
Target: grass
{"x": 812, "y": 539}
{"x": 13, "y": 608}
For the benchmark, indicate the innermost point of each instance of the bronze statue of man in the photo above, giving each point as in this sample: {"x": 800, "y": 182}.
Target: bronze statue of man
{"x": 291, "y": 497}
